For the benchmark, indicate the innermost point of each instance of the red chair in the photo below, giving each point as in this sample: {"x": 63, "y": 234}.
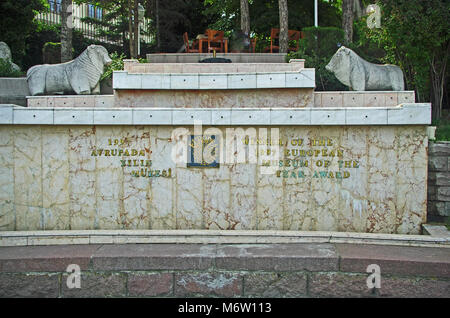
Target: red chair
{"x": 190, "y": 49}
{"x": 253, "y": 45}
{"x": 293, "y": 35}
{"x": 274, "y": 34}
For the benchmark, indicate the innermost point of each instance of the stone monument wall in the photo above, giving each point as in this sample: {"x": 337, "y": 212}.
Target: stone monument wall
{"x": 329, "y": 178}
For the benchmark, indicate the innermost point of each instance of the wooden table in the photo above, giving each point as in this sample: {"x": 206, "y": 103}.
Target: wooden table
{"x": 202, "y": 38}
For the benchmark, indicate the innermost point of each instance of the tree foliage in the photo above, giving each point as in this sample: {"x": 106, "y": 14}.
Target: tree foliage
{"x": 177, "y": 17}
{"x": 16, "y": 23}
{"x": 415, "y": 35}
{"x": 317, "y": 48}
{"x": 264, "y": 14}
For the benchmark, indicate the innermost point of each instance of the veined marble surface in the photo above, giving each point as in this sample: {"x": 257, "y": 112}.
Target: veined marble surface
{"x": 55, "y": 178}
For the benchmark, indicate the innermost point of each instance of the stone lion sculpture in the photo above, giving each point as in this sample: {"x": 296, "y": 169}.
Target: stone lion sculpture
{"x": 82, "y": 75}
{"x": 360, "y": 75}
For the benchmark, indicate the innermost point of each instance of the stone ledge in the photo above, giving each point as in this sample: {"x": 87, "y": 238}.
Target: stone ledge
{"x": 406, "y": 114}
{"x": 70, "y": 237}
{"x": 393, "y": 260}
{"x": 277, "y": 257}
{"x": 193, "y": 79}
{"x": 436, "y": 230}
{"x": 234, "y": 57}
{"x": 64, "y": 101}
{"x": 134, "y": 67}
{"x": 396, "y": 260}
{"x": 45, "y": 258}
{"x": 362, "y": 98}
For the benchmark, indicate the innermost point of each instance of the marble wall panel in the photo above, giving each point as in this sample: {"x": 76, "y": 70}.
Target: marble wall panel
{"x": 28, "y": 177}
{"x": 82, "y": 177}
{"x": 53, "y": 177}
{"x": 7, "y": 213}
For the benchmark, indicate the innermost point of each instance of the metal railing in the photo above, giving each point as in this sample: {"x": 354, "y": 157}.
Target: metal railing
{"x": 89, "y": 30}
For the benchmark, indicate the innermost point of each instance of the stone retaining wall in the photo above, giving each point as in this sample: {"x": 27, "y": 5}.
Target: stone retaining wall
{"x": 438, "y": 181}
{"x": 201, "y": 270}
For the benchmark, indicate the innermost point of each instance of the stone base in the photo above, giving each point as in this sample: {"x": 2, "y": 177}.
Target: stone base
{"x": 239, "y": 98}
{"x": 192, "y": 270}
{"x": 234, "y": 57}
{"x": 356, "y": 179}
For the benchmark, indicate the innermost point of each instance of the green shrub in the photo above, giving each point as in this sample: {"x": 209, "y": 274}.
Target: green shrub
{"x": 51, "y": 33}
{"x": 116, "y": 65}
{"x": 51, "y": 53}
{"x": 317, "y": 48}
{"x": 44, "y": 33}
{"x": 324, "y": 41}
{"x": 6, "y": 69}
{"x": 442, "y": 129}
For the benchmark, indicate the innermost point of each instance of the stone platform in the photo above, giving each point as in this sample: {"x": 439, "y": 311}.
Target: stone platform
{"x": 234, "y": 57}
{"x": 338, "y": 161}
{"x": 223, "y": 270}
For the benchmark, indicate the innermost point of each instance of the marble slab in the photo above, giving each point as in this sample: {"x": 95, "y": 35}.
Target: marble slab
{"x": 344, "y": 178}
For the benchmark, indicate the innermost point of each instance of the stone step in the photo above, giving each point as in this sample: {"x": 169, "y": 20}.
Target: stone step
{"x": 224, "y": 270}
{"x": 31, "y": 238}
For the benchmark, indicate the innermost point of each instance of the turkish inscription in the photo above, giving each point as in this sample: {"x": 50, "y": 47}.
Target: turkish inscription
{"x": 134, "y": 161}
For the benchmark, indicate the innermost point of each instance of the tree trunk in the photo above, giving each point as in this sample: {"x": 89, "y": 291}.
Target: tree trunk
{"x": 158, "y": 38}
{"x": 130, "y": 28}
{"x": 284, "y": 26}
{"x": 245, "y": 17}
{"x": 136, "y": 28}
{"x": 438, "y": 74}
{"x": 347, "y": 20}
{"x": 66, "y": 31}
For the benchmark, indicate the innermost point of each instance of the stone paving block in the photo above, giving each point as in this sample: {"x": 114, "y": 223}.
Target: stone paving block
{"x": 339, "y": 285}
{"x": 275, "y": 285}
{"x": 23, "y": 285}
{"x": 96, "y": 285}
{"x": 413, "y": 288}
{"x": 278, "y": 257}
{"x": 150, "y": 284}
{"x": 208, "y": 284}
{"x": 45, "y": 258}
{"x": 396, "y": 260}
{"x": 153, "y": 257}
